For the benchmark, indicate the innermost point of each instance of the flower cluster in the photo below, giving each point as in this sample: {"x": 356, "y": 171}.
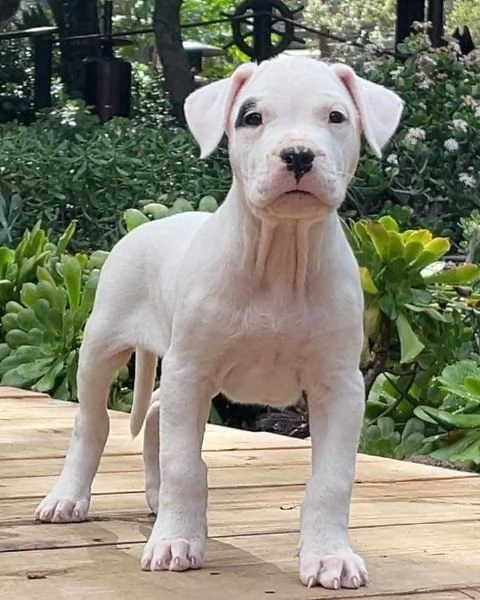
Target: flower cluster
{"x": 432, "y": 165}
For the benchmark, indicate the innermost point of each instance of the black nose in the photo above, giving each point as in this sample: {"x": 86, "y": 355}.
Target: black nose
{"x": 298, "y": 159}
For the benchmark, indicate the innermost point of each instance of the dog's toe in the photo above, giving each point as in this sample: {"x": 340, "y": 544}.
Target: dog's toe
{"x": 172, "y": 555}
{"x": 332, "y": 571}
{"x": 60, "y": 509}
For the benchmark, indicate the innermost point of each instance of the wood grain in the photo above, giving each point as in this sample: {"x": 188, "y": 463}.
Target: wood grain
{"x": 417, "y": 526}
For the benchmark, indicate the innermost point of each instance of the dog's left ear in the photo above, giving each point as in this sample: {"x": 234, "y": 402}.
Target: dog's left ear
{"x": 380, "y": 109}
{"x": 208, "y": 108}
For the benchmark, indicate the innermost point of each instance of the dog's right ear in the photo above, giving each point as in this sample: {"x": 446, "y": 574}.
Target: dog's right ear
{"x": 208, "y": 108}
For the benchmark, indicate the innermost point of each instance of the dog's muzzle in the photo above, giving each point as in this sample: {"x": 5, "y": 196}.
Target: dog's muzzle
{"x": 298, "y": 159}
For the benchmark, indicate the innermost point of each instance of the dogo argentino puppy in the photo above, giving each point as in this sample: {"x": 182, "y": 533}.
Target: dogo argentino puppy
{"x": 259, "y": 300}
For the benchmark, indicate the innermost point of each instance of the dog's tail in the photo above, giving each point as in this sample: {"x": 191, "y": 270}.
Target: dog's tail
{"x": 145, "y": 369}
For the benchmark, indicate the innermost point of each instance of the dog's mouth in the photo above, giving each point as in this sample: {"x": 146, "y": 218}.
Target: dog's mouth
{"x": 297, "y": 193}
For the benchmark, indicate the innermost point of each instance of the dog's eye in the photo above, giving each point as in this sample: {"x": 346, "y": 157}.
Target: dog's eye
{"x": 336, "y": 117}
{"x": 253, "y": 119}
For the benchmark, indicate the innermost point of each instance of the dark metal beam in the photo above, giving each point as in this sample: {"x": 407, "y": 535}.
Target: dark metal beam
{"x": 408, "y": 11}
{"x": 435, "y": 16}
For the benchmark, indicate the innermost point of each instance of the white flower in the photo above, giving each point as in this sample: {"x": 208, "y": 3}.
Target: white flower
{"x": 395, "y": 73}
{"x": 451, "y": 145}
{"x": 392, "y": 159}
{"x": 477, "y": 111}
{"x": 467, "y": 180}
{"x": 469, "y": 102}
{"x": 425, "y": 84}
{"x": 414, "y": 134}
{"x": 460, "y": 124}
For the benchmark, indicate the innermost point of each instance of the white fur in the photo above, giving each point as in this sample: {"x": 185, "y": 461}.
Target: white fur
{"x": 260, "y": 300}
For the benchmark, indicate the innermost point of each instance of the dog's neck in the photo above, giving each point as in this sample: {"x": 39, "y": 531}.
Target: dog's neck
{"x": 281, "y": 253}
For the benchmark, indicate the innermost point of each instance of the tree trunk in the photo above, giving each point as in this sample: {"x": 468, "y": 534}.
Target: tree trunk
{"x": 76, "y": 17}
{"x": 168, "y": 37}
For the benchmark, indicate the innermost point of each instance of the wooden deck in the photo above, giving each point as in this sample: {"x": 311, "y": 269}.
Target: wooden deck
{"x": 418, "y": 527}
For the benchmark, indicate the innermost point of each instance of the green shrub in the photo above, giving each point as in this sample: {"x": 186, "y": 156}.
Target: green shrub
{"x": 421, "y": 315}
{"x": 16, "y": 80}
{"x": 455, "y": 424}
{"x": 19, "y": 266}
{"x": 45, "y": 305}
{"x": 66, "y": 167}
{"x": 429, "y": 176}
{"x": 150, "y": 104}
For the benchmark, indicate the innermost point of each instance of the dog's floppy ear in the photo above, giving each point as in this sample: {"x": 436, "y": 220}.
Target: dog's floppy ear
{"x": 380, "y": 109}
{"x": 208, "y": 108}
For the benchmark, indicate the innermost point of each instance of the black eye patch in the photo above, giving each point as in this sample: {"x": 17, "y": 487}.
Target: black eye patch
{"x": 248, "y": 106}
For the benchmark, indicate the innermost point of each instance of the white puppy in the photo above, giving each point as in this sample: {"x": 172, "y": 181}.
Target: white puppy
{"x": 260, "y": 301}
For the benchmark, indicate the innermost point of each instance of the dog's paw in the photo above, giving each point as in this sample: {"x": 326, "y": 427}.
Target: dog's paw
{"x": 173, "y": 555}
{"x": 59, "y": 508}
{"x": 332, "y": 571}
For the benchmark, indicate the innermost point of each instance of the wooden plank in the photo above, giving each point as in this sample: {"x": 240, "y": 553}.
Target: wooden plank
{"x": 401, "y": 561}
{"x": 461, "y": 491}
{"x": 370, "y": 469}
{"x": 32, "y": 417}
{"x": 473, "y": 594}
{"x": 8, "y": 392}
{"x": 261, "y": 510}
{"x": 52, "y": 442}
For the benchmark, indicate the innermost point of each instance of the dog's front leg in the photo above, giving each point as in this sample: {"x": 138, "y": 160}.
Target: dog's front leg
{"x": 177, "y": 541}
{"x": 336, "y": 410}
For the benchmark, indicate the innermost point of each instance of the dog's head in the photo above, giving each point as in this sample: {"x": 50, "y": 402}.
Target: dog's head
{"x": 294, "y": 127}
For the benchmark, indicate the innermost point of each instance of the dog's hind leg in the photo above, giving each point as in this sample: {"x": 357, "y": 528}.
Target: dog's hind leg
{"x": 151, "y": 459}
{"x": 69, "y": 500}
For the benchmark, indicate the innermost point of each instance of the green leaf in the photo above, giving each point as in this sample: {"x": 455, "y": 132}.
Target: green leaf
{"x": 389, "y": 223}
{"x": 28, "y": 294}
{"x": 16, "y": 338}
{"x": 420, "y": 413}
{"x": 472, "y": 385}
{"x": 423, "y": 236}
{"x": 34, "y": 370}
{"x": 97, "y": 259}
{"x": 387, "y": 304}
{"x": 208, "y": 204}
{"x": 88, "y": 294}
{"x": 386, "y": 426}
{"x": 379, "y": 237}
{"x": 361, "y": 231}
{"x": 432, "y": 251}
{"x": 26, "y": 319}
{"x": 461, "y": 275}
{"x": 412, "y": 250}
{"x": 48, "y": 291}
{"x": 395, "y": 245}
{"x": 451, "y": 421}
{"x": 65, "y": 238}
{"x": 72, "y": 275}
{"x": 13, "y": 379}
{"x": 133, "y": 218}
{"x": 44, "y": 275}
{"x": 47, "y": 381}
{"x": 457, "y": 451}
{"x": 157, "y": 211}
{"x": 410, "y": 345}
{"x": 4, "y": 351}
{"x": 368, "y": 285}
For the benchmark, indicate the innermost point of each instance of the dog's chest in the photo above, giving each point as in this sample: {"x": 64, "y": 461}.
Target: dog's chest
{"x": 264, "y": 362}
